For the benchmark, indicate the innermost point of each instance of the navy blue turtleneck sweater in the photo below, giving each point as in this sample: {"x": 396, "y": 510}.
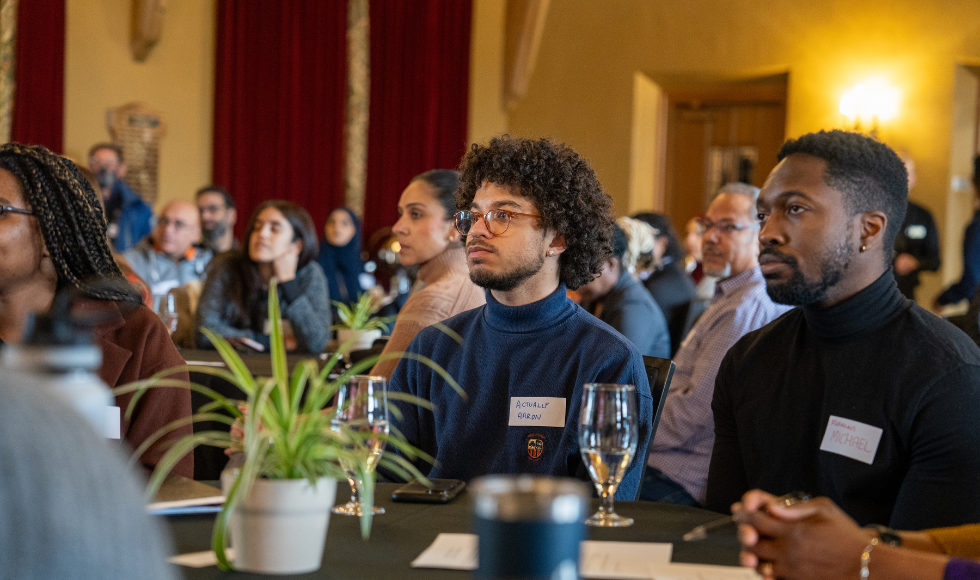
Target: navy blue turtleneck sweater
{"x": 877, "y": 359}
{"x": 549, "y": 348}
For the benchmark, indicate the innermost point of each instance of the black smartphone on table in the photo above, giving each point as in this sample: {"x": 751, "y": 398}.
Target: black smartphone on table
{"x": 442, "y": 491}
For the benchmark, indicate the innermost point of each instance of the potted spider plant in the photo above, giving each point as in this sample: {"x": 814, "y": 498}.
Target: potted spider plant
{"x": 279, "y": 501}
{"x": 358, "y": 327}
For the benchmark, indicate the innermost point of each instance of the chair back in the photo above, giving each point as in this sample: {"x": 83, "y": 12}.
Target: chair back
{"x": 659, "y": 373}
{"x": 187, "y": 296}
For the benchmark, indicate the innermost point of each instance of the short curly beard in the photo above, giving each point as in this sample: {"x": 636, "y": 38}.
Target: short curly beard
{"x": 798, "y": 291}
{"x": 507, "y": 281}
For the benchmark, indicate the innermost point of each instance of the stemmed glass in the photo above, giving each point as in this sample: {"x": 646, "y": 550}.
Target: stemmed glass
{"x": 168, "y": 311}
{"x": 608, "y": 436}
{"x": 362, "y": 407}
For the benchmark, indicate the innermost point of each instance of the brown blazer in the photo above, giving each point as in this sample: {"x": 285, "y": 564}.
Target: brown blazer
{"x": 135, "y": 345}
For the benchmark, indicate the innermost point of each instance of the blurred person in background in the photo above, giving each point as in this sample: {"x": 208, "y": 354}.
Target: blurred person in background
{"x": 170, "y": 257}
{"x": 281, "y": 243}
{"x": 677, "y": 467}
{"x": 340, "y": 255}
{"x": 128, "y": 217}
{"x": 619, "y": 300}
{"x": 966, "y": 287}
{"x": 430, "y": 241}
{"x": 44, "y": 251}
{"x": 641, "y": 239}
{"x": 692, "y": 245}
{"x": 668, "y": 283}
{"x": 218, "y": 219}
{"x": 917, "y": 244}
{"x": 693, "y": 261}
{"x": 127, "y": 271}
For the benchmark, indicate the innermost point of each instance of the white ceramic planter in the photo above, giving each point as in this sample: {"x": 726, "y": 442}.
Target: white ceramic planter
{"x": 280, "y": 528}
{"x": 363, "y": 338}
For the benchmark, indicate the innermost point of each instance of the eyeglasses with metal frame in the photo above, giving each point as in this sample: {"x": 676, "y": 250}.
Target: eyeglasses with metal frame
{"x": 496, "y": 220}
{"x": 5, "y": 208}
{"x": 727, "y": 228}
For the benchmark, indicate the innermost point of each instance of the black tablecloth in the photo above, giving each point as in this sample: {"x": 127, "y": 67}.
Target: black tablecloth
{"x": 400, "y": 535}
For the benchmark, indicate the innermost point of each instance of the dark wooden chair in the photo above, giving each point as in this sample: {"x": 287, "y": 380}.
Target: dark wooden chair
{"x": 659, "y": 373}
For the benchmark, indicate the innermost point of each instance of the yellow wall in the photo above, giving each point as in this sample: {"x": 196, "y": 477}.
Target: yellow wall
{"x": 487, "y": 116}
{"x": 582, "y": 88}
{"x": 177, "y": 79}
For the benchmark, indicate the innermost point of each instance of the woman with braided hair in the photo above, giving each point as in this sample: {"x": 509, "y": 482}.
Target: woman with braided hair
{"x": 53, "y": 238}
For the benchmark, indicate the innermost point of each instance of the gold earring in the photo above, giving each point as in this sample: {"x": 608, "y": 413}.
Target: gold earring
{"x": 551, "y": 252}
{"x": 863, "y": 247}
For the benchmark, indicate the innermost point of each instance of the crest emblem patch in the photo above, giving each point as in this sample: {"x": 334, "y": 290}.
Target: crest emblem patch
{"x": 535, "y": 446}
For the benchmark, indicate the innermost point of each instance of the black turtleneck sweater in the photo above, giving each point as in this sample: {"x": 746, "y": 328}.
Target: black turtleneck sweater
{"x": 877, "y": 359}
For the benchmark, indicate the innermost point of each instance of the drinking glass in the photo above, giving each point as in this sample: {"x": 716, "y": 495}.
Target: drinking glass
{"x": 362, "y": 406}
{"x": 168, "y": 311}
{"x": 608, "y": 436}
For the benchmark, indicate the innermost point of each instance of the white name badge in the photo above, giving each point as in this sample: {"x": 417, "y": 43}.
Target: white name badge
{"x": 851, "y": 439}
{"x": 113, "y": 421}
{"x": 916, "y": 232}
{"x": 537, "y": 412}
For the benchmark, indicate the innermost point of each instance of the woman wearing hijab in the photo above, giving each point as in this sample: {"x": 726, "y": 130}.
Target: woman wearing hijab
{"x": 340, "y": 255}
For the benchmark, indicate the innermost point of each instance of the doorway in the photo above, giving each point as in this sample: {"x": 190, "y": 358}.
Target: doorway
{"x": 718, "y": 133}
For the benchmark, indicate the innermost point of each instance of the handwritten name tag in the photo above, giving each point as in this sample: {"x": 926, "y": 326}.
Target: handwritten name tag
{"x": 113, "y": 427}
{"x": 537, "y": 411}
{"x": 851, "y": 439}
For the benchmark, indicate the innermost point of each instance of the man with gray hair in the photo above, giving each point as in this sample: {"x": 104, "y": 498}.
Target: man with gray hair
{"x": 677, "y": 467}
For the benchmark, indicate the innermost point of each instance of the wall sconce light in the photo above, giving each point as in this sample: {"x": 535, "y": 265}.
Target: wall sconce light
{"x": 868, "y": 103}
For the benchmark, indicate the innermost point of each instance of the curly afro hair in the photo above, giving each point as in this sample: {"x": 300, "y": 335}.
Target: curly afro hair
{"x": 563, "y": 188}
{"x": 870, "y": 175}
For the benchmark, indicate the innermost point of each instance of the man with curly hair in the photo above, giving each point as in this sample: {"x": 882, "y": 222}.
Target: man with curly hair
{"x": 858, "y": 394}
{"x": 536, "y": 223}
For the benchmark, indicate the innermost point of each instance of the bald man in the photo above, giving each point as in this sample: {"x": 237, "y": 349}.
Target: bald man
{"x": 169, "y": 257}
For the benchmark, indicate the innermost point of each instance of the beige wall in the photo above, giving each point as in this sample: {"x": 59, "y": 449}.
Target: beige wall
{"x": 582, "y": 89}
{"x": 177, "y": 78}
{"x": 487, "y": 116}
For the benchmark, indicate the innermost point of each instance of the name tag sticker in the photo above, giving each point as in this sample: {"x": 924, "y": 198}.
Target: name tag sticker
{"x": 112, "y": 423}
{"x": 851, "y": 439}
{"x": 537, "y": 411}
{"x": 916, "y": 232}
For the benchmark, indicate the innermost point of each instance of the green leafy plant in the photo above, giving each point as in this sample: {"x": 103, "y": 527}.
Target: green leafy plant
{"x": 360, "y": 316}
{"x": 287, "y": 429}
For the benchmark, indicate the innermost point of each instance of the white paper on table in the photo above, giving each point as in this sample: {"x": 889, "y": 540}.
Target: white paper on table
{"x": 616, "y": 560}
{"x": 451, "y": 552}
{"x": 701, "y": 572}
{"x": 612, "y": 560}
{"x": 200, "y": 559}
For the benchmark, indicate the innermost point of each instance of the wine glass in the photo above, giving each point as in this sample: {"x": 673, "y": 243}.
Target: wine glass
{"x": 362, "y": 407}
{"x": 608, "y": 436}
{"x": 168, "y": 311}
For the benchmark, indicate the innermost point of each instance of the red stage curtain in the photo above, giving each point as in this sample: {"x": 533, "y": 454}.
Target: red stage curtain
{"x": 280, "y": 87}
{"x": 420, "y": 63}
{"x": 39, "y": 97}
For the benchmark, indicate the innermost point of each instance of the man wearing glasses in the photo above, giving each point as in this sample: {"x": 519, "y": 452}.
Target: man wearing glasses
{"x": 218, "y": 218}
{"x": 536, "y": 223}
{"x": 169, "y": 257}
{"x": 677, "y": 468}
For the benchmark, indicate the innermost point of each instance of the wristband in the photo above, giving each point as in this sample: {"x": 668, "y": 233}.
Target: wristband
{"x": 866, "y": 557}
